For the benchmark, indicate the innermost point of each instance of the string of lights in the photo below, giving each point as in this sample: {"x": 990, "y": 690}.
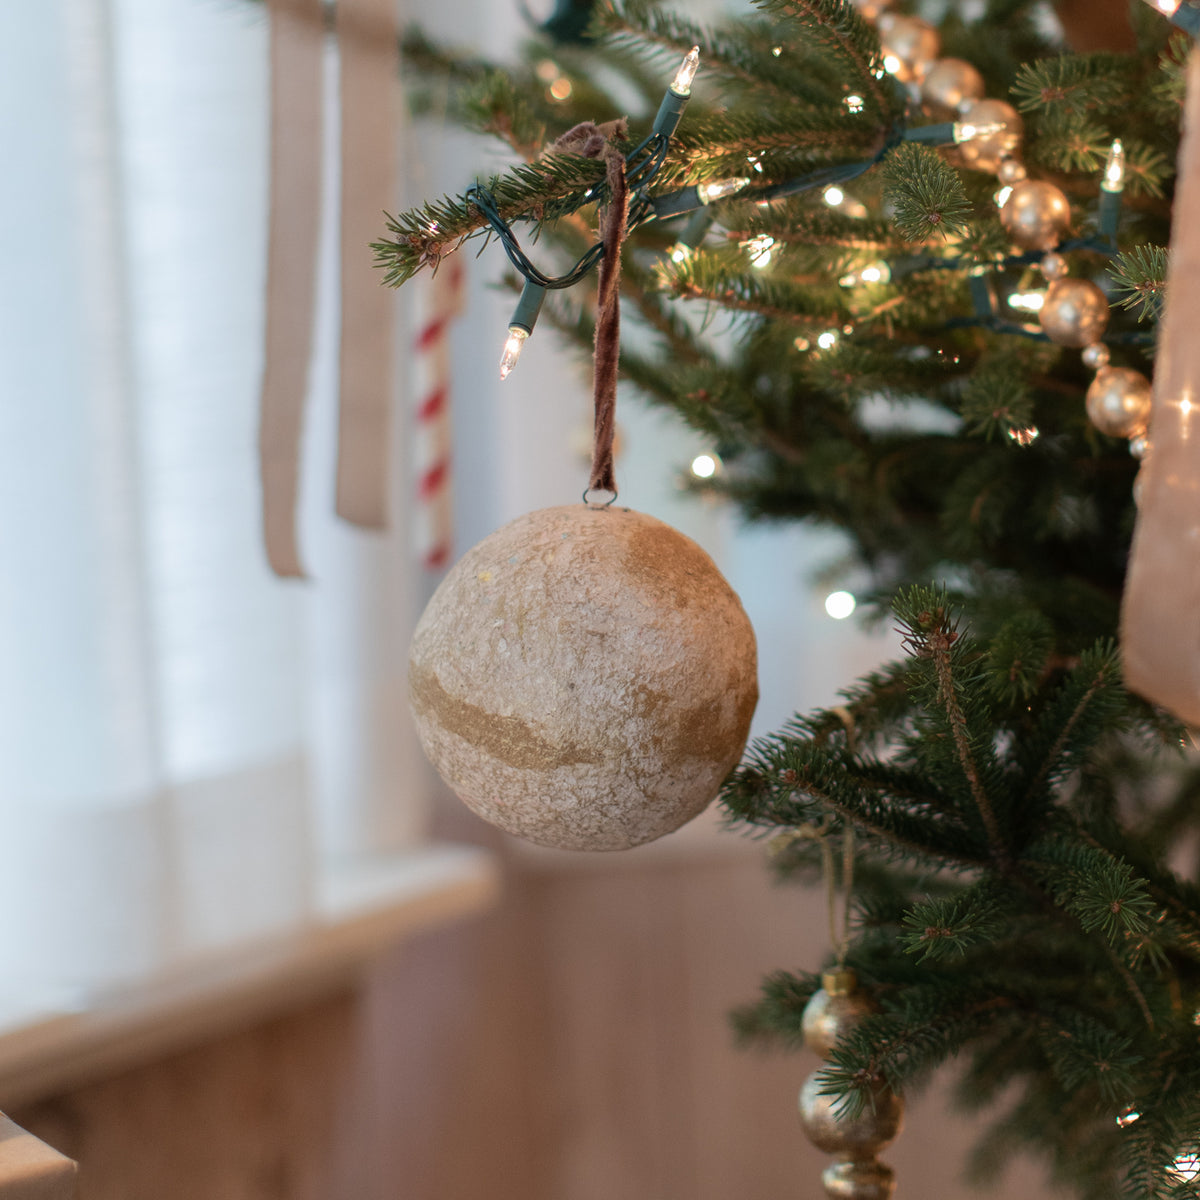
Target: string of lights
{"x": 1070, "y": 312}
{"x": 642, "y": 164}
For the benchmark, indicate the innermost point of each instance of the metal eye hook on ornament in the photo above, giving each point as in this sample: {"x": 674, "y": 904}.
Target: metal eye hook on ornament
{"x": 598, "y": 503}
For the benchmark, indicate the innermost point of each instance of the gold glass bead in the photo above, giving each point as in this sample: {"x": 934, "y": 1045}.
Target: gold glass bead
{"x": 1119, "y": 402}
{"x": 986, "y": 151}
{"x": 1053, "y": 266}
{"x": 1036, "y": 214}
{"x": 950, "y": 84}
{"x": 1010, "y": 171}
{"x": 909, "y": 45}
{"x": 1074, "y": 313}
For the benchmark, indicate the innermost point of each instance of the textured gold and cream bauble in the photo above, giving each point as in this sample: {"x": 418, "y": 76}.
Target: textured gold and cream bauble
{"x": 584, "y": 678}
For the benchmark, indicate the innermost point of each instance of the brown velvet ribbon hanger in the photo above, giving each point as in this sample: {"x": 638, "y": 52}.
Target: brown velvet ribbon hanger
{"x": 599, "y": 141}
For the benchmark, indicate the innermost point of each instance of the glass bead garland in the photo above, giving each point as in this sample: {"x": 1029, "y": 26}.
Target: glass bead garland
{"x": 1036, "y": 213}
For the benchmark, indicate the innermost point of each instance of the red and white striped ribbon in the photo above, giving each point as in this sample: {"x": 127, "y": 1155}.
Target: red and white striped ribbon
{"x": 434, "y": 509}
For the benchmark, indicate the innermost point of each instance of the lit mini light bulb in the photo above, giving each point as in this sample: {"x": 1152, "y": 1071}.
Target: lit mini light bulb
{"x": 705, "y": 466}
{"x": 524, "y": 318}
{"x": 1182, "y": 16}
{"x": 759, "y": 248}
{"x": 1114, "y": 168}
{"x": 1112, "y": 184}
{"x": 720, "y": 188}
{"x": 681, "y": 85}
{"x": 512, "y": 350}
{"x": 680, "y": 252}
{"x": 876, "y": 272}
{"x": 833, "y": 196}
{"x": 676, "y": 97}
{"x": 1001, "y": 197}
{"x": 1027, "y": 301}
{"x": 828, "y": 339}
{"x": 1184, "y": 1167}
{"x": 839, "y": 605}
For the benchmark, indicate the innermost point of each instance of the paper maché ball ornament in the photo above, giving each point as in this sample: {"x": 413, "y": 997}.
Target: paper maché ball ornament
{"x": 584, "y": 678}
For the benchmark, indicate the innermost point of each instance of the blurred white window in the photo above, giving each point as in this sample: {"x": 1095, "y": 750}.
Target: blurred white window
{"x": 185, "y": 741}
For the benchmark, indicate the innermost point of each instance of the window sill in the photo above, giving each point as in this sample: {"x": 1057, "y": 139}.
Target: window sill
{"x": 362, "y": 912}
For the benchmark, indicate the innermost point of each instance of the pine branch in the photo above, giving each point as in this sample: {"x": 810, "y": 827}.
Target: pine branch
{"x": 1141, "y": 273}
{"x": 641, "y": 27}
{"x": 928, "y": 195}
{"x": 1074, "y": 84}
{"x": 930, "y": 633}
{"x": 1063, "y": 736}
{"x": 552, "y": 187}
{"x": 946, "y": 926}
{"x": 710, "y": 277}
{"x": 839, "y": 27}
{"x": 781, "y": 143}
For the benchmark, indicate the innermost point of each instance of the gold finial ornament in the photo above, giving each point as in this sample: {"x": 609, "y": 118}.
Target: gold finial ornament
{"x": 834, "y": 1009}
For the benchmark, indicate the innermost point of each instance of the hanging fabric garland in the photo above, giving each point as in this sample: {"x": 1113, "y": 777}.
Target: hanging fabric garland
{"x": 296, "y": 47}
{"x": 369, "y": 55}
{"x": 1160, "y": 618}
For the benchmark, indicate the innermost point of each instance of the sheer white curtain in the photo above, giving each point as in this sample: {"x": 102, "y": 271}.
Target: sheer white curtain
{"x": 185, "y": 741}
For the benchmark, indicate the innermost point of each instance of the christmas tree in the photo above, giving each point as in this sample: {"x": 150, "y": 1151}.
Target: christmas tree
{"x": 965, "y": 226}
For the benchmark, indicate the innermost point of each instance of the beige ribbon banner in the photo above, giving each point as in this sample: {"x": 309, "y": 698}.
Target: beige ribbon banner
{"x": 369, "y": 55}
{"x": 296, "y": 38}
{"x": 1160, "y": 620}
